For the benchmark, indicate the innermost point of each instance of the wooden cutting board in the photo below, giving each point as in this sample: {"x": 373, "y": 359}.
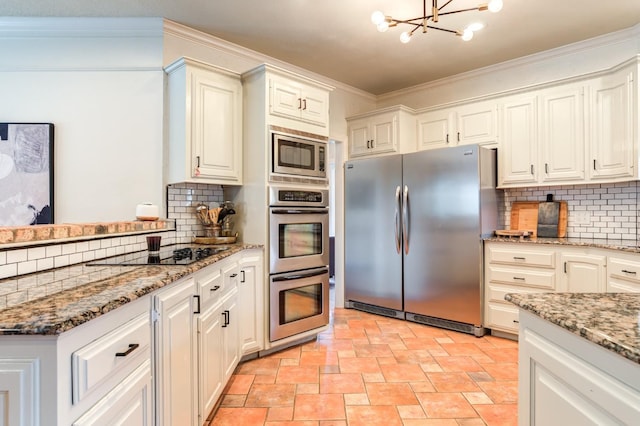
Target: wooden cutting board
{"x": 524, "y": 217}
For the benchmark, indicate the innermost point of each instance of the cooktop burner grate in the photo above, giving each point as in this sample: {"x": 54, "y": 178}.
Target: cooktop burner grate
{"x": 169, "y": 255}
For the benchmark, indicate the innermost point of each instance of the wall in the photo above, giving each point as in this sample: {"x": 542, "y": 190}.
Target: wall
{"x": 100, "y": 81}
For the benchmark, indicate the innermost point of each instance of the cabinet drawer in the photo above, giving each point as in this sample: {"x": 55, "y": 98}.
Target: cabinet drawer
{"x": 622, "y": 286}
{"x": 496, "y": 292}
{"x": 539, "y": 278}
{"x": 231, "y": 276}
{"x": 210, "y": 284}
{"x": 624, "y": 268}
{"x": 502, "y": 317}
{"x": 538, "y": 258}
{"x": 116, "y": 353}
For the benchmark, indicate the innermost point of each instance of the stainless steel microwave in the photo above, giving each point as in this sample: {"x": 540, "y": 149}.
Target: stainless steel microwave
{"x": 297, "y": 156}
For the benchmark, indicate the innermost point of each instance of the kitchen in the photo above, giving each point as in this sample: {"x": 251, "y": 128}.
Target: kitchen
{"x": 136, "y": 98}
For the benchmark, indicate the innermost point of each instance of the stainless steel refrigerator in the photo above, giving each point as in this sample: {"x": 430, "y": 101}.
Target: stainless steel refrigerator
{"x": 414, "y": 225}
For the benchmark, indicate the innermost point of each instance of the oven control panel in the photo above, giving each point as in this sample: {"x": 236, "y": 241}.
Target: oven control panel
{"x": 279, "y": 196}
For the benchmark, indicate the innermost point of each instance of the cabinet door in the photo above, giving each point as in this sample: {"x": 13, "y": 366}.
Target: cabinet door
{"x": 176, "y": 353}
{"x": 583, "y": 273}
{"x": 286, "y": 99}
{"x": 211, "y": 354}
{"x": 562, "y": 134}
{"x": 19, "y": 390}
{"x": 433, "y": 129}
{"x": 384, "y": 128}
{"x": 315, "y": 106}
{"x": 359, "y": 137}
{"x": 128, "y": 404}
{"x": 476, "y": 123}
{"x": 612, "y": 139}
{"x": 251, "y": 305}
{"x": 230, "y": 334}
{"x": 519, "y": 141}
{"x": 216, "y": 126}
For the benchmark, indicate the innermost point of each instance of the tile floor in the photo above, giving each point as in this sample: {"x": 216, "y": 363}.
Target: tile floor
{"x": 370, "y": 370}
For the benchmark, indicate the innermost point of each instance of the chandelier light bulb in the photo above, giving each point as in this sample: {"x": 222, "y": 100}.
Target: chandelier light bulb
{"x": 378, "y": 18}
{"x": 383, "y": 26}
{"x": 495, "y": 6}
{"x": 467, "y": 35}
{"x": 405, "y": 37}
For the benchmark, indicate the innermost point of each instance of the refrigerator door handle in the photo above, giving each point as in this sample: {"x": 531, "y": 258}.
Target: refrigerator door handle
{"x": 405, "y": 218}
{"x": 397, "y": 220}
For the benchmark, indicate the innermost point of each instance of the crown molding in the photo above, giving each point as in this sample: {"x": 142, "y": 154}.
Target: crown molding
{"x": 584, "y": 45}
{"x": 187, "y": 33}
{"x": 26, "y": 27}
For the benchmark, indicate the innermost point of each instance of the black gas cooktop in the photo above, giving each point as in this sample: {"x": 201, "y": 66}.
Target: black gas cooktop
{"x": 169, "y": 255}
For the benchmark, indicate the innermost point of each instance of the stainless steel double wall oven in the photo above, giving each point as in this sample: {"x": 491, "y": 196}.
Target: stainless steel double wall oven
{"x": 299, "y": 259}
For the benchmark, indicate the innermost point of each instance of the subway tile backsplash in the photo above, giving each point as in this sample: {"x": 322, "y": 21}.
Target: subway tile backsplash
{"x": 610, "y": 210}
{"x": 182, "y": 200}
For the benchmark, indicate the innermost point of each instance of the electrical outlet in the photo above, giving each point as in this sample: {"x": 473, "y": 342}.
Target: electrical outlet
{"x": 582, "y": 217}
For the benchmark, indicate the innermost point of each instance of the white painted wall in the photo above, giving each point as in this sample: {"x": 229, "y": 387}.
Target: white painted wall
{"x": 100, "y": 82}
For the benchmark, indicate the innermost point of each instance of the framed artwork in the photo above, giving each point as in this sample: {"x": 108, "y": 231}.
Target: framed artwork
{"x": 26, "y": 174}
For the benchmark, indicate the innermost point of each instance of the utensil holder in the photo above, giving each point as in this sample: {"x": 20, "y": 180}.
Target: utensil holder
{"x": 212, "y": 231}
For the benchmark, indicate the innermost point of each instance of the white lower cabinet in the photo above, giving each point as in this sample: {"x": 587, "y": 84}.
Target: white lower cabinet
{"x": 128, "y": 404}
{"x": 19, "y": 391}
{"x": 251, "y": 307}
{"x": 565, "y": 379}
{"x": 198, "y": 343}
{"x": 538, "y": 268}
{"x": 514, "y": 268}
{"x": 583, "y": 271}
{"x": 176, "y": 356}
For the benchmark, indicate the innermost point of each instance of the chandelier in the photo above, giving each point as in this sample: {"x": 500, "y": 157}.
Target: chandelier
{"x": 384, "y": 22}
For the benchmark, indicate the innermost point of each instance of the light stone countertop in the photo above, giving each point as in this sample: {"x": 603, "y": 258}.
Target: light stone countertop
{"x": 630, "y": 246}
{"x": 66, "y": 297}
{"x": 610, "y": 320}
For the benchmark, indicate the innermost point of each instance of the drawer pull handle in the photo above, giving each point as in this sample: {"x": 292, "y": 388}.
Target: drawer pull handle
{"x": 226, "y": 316}
{"x": 519, "y": 258}
{"x": 516, "y": 321}
{"x": 197, "y": 297}
{"x": 215, "y": 287}
{"x": 519, "y": 278}
{"x": 243, "y": 277}
{"x": 629, "y": 272}
{"x": 132, "y": 347}
{"x": 233, "y": 275}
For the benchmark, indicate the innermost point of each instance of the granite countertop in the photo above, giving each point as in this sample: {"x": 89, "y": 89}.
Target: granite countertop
{"x": 611, "y": 320}
{"x": 622, "y": 245}
{"x": 64, "y": 298}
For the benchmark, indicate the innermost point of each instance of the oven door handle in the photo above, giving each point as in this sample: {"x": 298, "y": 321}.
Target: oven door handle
{"x": 294, "y": 211}
{"x": 300, "y": 276}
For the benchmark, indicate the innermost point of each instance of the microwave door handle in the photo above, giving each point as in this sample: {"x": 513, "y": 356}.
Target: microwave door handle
{"x": 300, "y": 276}
{"x": 397, "y": 220}
{"x": 294, "y": 211}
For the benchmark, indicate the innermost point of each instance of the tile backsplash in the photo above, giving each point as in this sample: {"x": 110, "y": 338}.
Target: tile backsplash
{"x": 611, "y": 210}
{"x": 182, "y": 199}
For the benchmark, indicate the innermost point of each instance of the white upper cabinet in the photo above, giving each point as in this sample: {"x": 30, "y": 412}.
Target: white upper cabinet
{"x": 388, "y": 130}
{"x": 205, "y": 124}
{"x": 462, "y": 125}
{"x": 293, "y": 99}
{"x": 613, "y": 117}
{"x": 542, "y": 137}
{"x": 517, "y": 156}
{"x": 562, "y": 112}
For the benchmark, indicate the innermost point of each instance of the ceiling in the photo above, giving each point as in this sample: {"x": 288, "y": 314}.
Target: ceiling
{"x": 336, "y": 38}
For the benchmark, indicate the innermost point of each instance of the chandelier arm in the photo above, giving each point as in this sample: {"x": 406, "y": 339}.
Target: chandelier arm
{"x": 442, "y": 29}
{"x": 458, "y": 11}
{"x": 443, "y": 6}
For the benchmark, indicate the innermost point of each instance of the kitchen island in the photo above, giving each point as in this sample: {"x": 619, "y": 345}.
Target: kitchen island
{"x": 579, "y": 358}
